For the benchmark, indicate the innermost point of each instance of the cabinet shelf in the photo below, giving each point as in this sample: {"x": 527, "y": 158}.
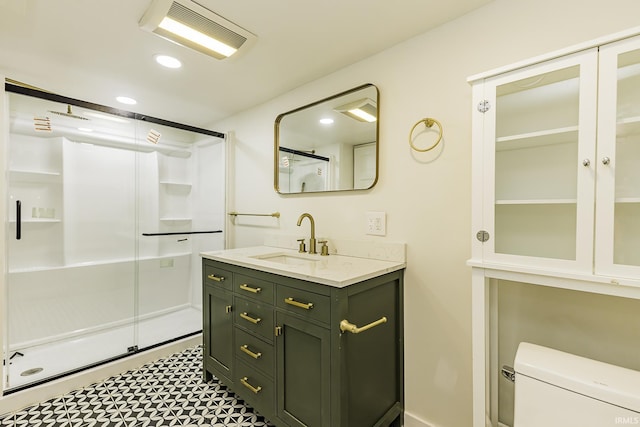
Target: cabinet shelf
{"x": 628, "y": 126}
{"x": 627, "y": 200}
{"x": 561, "y": 135}
{"x": 536, "y": 202}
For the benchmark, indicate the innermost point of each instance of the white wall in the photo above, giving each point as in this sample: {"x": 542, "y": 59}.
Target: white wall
{"x": 426, "y": 196}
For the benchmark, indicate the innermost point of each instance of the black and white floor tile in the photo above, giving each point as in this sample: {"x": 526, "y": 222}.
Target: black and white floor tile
{"x": 168, "y": 392}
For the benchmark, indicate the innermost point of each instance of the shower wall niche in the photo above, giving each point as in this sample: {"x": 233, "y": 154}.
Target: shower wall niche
{"x": 107, "y": 214}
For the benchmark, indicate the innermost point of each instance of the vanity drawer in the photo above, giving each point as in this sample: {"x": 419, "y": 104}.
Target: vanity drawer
{"x": 254, "y": 316}
{"x": 255, "y": 388}
{"x": 304, "y": 303}
{"x": 216, "y": 276}
{"x": 252, "y": 287}
{"x": 255, "y": 352}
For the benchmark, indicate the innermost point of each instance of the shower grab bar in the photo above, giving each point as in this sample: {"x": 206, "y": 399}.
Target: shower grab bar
{"x": 274, "y": 214}
{"x": 18, "y": 219}
{"x": 174, "y": 233}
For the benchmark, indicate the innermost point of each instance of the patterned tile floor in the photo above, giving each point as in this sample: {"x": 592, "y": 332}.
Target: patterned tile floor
{"x": 168, "y": 392}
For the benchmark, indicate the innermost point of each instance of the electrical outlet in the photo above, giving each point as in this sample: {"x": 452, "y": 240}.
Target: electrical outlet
{"x": 376, "y": 223}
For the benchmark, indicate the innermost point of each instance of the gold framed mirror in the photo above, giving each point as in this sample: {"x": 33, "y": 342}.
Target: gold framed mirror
{"x": 329, "y": 145}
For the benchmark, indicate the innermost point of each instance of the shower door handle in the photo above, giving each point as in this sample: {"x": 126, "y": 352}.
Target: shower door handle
{"x": 18, "y": 219}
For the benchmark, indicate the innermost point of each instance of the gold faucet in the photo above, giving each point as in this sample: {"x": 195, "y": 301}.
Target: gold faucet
{"x": 312, "y": 240}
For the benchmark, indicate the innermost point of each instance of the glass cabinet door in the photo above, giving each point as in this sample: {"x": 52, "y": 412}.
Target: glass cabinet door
{"x": 618, "y": 190}
{"x": 540, "y": 134}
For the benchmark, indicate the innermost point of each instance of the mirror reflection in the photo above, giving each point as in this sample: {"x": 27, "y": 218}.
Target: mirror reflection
{"x": 329, "y": 145}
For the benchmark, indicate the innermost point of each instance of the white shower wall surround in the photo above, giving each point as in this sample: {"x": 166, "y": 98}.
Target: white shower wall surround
{"x": 82, "y": 265}
{"x": 65, "y": 302}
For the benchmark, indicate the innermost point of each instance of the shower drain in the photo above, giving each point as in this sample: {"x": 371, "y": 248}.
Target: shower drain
{"x": 31, "y": 371}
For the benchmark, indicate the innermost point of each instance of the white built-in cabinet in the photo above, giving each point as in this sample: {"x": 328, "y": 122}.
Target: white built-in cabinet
{"x": 556, "y": 149}
{"x": 556, "y": 182}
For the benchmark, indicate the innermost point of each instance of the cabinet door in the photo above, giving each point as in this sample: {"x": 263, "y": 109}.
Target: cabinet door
{"x": 302, "y": 372}
{"x": 538, "y": 143}
{"x": 618, "y": 189}
{"x": 218, "y": 332}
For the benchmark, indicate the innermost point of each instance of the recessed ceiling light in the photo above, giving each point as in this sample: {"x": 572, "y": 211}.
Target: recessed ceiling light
{"x": 126, "y": 100}
{"x": 326, "y": 121}
{"x": 168, "y": 61}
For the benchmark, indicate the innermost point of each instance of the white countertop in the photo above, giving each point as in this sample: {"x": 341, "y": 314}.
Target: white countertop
{"x": 333, "y": 270}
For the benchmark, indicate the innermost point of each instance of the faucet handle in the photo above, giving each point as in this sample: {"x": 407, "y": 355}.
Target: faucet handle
{"x": 324, "y": 250}
{"x": 301, "y": 247}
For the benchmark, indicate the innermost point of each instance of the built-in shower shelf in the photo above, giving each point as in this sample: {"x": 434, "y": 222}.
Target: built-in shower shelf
{"x": 37, "y": 220}
{"x": 92, "y": 264}
{"x": 176, "y": 184}
{"x": 177, "y": 254}
{"x": 33, "y": 175}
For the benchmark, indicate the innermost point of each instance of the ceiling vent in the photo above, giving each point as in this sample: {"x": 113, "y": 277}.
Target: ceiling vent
{"x": 190, "y": 24}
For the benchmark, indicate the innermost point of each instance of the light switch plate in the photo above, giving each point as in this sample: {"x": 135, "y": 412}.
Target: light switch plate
{"x": 376, "y": 223}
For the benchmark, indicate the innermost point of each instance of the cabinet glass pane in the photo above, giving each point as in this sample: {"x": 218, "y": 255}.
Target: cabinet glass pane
{"x": 536, "y": 177}
{"x": 627, "y": 173}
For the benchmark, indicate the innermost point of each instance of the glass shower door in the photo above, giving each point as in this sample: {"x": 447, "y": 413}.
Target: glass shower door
{"x": 71, "y": 239}
{"x": 181, "y": 213}
{"x": 108, "y": 213}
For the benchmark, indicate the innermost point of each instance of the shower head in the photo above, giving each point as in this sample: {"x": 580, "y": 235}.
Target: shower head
{"x": 69, "y": 113}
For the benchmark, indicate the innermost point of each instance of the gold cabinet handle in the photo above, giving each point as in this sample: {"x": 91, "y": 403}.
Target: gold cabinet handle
{"x": 216, "y": 278}
{"x": 345, "y": 326}
{"x": 245, "y": 349}
{"x": 245, "y": 382}
{"x": 248, "y": 288}
{"x": 245, "y": 316}
{"x": 227, "y": 309}
{"x": 306, "y": 306}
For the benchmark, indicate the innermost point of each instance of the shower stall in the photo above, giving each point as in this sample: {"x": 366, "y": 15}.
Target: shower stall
{"x": 106, "y": 214}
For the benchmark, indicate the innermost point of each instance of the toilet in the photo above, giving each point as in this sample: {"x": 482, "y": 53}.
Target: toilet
{"x": 557, "y": 389}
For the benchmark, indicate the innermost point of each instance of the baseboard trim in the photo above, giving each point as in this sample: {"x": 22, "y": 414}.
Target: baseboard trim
{"x": 410, "y": 420}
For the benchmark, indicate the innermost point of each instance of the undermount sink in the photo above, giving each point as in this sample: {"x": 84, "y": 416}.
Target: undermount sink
{"x": 286, "y": 259}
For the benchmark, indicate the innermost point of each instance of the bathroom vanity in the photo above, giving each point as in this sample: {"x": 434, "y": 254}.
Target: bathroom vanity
{"x": 306, "y": 340}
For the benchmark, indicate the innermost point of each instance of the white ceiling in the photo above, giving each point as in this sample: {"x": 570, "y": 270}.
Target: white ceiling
{"x": 93, "y": 50}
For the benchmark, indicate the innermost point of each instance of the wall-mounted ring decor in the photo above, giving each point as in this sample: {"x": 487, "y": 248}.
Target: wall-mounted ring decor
{"x": 428, "y": 122}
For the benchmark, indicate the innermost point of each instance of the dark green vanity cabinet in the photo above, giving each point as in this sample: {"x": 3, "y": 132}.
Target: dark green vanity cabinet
{"x": 276, "y": 342}
{"x": 217, "y": 322}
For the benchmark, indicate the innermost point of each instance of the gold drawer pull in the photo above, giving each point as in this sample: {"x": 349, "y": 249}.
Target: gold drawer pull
{"x": 306, "y": 306}
{"x": 245, "y": 349}
{"x": 345, "y": 326}
{"x": 248, "y": 288}
{"x": 216, "y": 278}
{"x": 245, "y": 382}
{"x": 245, "y": 316}
{"x": 228, "y": 309}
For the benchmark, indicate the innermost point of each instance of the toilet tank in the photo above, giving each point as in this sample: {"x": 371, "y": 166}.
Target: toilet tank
{"x": 557, "y": 389}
